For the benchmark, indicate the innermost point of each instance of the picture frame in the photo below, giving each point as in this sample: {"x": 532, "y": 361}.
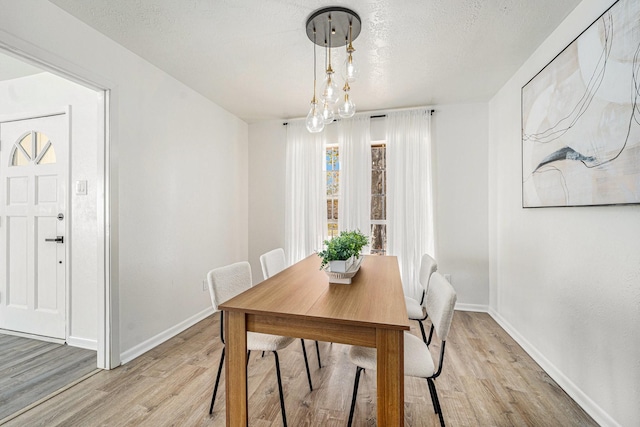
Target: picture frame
{"x": 581, "y": 118}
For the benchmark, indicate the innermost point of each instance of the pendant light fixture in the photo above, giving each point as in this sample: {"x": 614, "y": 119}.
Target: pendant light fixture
{"x": 330, "y": 90}
{"x": 315, "y": 121}
{"x": 332, "y": 27}
{"x": 347, "y": 108}
{"x": 350, "y": 71}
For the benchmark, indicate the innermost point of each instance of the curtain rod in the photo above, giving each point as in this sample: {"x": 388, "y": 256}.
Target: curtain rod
{"x": 378, "y": 116}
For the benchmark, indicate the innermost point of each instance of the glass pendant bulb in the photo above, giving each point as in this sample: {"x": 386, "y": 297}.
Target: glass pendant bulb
{"x": 347, "y": 108}
{"x": 314, "y": 120}
{"x": 327, "y": 113}
{"x": 349, "y": 70}
{"x": 330, "y": 91}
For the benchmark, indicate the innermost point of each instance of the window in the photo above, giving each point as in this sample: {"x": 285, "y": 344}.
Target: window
{"x": 378, "y": 232}
{"x": 33, "y": 147}
{"x": 333, "y": 188}
{"x": 378, "y": 199}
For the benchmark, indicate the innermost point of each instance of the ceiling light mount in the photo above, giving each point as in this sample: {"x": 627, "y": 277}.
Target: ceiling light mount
{"x": 340, "y": 18}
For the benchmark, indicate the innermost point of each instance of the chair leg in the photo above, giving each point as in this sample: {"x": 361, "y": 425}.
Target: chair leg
{"x": 215, "y": 388}
{"x": 355, "y": 392}
{"x": 284, "y": 415}
{"x": 430, "y": 335}
{"x": 424, "y": 336}
{"x": 436, "y": 401}
{"x": 318, "y": 353}
{"x": 306, "y": 364}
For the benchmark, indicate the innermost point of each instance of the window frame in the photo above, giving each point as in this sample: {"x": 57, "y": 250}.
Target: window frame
{"x": 332, "y": 229}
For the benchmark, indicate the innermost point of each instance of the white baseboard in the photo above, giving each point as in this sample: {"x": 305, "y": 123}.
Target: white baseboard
{"x": 85, "y": 343}
{"x": 472, "y": 307}
{"x": 132, "y": 353}
{"x": 590, "y": 407}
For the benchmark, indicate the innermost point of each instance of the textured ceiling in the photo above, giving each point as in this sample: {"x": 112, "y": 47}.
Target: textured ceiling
{"x": 253, "y": 57}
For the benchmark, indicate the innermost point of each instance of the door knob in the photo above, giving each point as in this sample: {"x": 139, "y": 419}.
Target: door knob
{"x": 59, "y": 239}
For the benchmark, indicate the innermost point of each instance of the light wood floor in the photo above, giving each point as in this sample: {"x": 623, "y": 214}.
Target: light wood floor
{"x": 488, "y": 380}
{"x": 32, "y": 369}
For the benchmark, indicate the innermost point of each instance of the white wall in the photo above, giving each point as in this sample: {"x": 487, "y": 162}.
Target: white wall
{"x": 565, "y": 281}
{"x": 267, "y": 154}
{"x": 179, "y": 170}
{"x": 460, "y": 145}
{"x": 460, "y": 136}
{"x": 47, "y": 92}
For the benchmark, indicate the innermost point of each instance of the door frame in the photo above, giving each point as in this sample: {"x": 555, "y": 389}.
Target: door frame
{"x": 108, "y": 336}
{"x": 6, "y": 145}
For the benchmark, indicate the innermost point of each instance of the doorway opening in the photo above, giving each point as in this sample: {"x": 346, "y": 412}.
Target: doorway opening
{"x": 54, "y": 272}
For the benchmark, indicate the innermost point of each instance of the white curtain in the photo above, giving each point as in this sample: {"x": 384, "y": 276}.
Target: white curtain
{"x": 354, "y": 202}
{"x": 305, "y": 205}
{"x": 410, "y": 224}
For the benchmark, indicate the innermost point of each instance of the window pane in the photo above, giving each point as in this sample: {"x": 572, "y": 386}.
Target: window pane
{"x": 333, "y": 183}
{"x": 18, "y": 158}
{"x": 332, "y": 209}
{"x": 41, "y": 142}
{"x": 378, "y": 211}
{"x": 26, "y": 144}
{"x": 378, "y": 157}
{"x": 378, "y": 239}
{"x": 377, "y": 179}
{"x": 49, "y": 155}
{"x": 332, "y": 159}
{"x": 332, "y": 230}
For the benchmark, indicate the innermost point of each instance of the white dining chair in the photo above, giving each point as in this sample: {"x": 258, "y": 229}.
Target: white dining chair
{"x": 416, "y": 310}
{"x": 418, "y": 361}
{"x": 273, "y": 262}
{"x": 225, "y": 283}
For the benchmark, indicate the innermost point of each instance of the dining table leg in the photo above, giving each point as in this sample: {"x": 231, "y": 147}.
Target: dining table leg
{"x": 236, "y": 368}
{"x": 390, "y": 377}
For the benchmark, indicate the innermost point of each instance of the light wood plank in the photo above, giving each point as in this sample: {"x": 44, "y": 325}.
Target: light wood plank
{"x": 32, "y": 369}
{"x": 487, "y": 380}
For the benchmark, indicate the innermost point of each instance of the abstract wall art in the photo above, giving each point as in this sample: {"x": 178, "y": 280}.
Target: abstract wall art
{"x": 581, "y": 118}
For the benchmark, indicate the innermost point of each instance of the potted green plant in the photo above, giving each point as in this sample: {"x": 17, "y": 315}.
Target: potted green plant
{"x": 341, "y": 251}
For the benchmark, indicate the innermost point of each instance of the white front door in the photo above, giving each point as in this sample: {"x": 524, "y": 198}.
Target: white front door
{"x": 33, "y": 179}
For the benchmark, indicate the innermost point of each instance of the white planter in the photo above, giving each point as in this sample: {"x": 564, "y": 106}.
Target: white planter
{"x": 341, "y": 266}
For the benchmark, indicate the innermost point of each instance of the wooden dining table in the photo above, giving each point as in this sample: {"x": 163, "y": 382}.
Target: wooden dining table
{"x": 300, "y": 302}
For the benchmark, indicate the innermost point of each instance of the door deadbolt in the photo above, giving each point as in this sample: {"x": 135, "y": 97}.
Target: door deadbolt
{"x": 60, "y": 216}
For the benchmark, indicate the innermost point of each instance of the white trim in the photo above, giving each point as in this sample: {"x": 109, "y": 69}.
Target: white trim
{"x": 140, "y": 349}
{"x": 37, "y": 114}
{"x": 595, "y": 411}
{"x": 68, "y": 227}
{"x": 480, "y": 308}
{"x": 106, "y": 328}
{"x": 51, "y": 62}
{"x": 85, "y": 343}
